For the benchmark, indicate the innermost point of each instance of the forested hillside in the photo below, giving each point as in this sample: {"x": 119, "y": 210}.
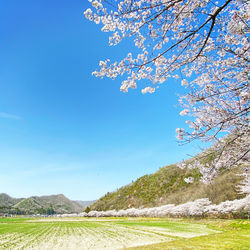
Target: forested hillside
{"x": 39, "y": 205}
{"x": 168, "y": 186}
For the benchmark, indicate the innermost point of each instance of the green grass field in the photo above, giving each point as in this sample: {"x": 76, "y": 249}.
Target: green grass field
{"x": 120, "y": 233}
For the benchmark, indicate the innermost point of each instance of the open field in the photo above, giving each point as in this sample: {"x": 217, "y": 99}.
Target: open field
{"x": 120, "y": 233}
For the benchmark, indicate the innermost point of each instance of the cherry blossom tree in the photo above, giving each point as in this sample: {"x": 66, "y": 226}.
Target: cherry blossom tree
{"x": 203, "y": 43}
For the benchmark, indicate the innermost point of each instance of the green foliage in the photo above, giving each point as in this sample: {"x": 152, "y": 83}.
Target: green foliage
{"x": 87, "y": 209}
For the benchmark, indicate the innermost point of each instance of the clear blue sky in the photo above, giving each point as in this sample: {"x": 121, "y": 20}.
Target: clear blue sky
{"x": 61, "y": 129}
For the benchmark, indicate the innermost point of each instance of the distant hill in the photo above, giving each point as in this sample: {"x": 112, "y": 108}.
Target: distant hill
{"x": 6, "y": 200}
{"x": 39, "y": 205}
{"x": 167, "y": 186}
{"x": 86, "y": 203}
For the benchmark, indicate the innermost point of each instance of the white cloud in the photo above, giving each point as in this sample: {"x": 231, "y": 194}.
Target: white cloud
{"x": 9, "y": 116}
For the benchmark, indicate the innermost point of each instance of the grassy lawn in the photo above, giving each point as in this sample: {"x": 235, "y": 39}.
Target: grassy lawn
{"x": 117, "y": 233}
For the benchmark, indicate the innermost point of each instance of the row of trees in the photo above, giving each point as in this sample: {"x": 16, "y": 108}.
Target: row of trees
{"x": 200, "y": 207}
{"x": 203, "y": 43}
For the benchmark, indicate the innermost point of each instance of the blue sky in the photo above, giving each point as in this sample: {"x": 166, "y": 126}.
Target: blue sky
{"x": 61, "y": 129}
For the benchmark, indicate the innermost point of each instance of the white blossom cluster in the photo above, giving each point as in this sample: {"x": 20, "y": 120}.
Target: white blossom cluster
{"x": 189, "y": 180}
{"x": 205, "y": 44}
{"x": 194, "y": 208}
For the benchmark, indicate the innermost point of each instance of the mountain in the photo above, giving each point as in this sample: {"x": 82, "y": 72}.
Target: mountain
{"x": 39, "y": 205}
{"x": 6, "y": 200}
{"x": 167, "y": 186}
{"x": 86, "y": 203}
